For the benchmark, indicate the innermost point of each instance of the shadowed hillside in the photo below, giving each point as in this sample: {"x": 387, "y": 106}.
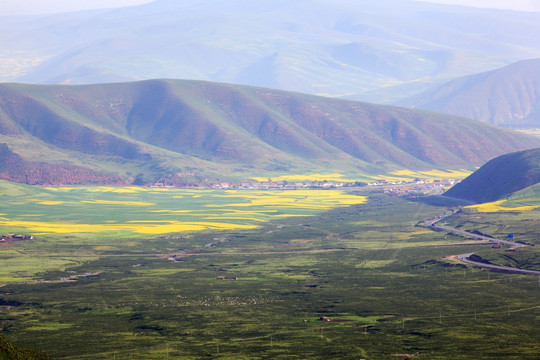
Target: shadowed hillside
{"x": 508, "y": 97}
{"x": 500, "y": 177}
{"x": 200, "y": 129}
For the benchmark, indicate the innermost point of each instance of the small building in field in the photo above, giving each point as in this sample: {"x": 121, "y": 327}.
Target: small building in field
{"x": 227, "y": 278}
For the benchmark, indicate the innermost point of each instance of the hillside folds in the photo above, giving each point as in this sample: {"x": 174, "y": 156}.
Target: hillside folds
{"x": 500, "y": 177}
{"x": 508, "y": 97}
{"x": 159, "y": 127}
{"x": 16, "y": 168}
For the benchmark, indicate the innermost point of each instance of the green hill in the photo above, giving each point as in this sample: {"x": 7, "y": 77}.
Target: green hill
{"x": 193, "y": 130}
{"x": 9, "y": 351}
{"x": 501, "y": 177}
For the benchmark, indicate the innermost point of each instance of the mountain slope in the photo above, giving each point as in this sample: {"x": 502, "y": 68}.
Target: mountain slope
{"x": 500, "y": 177}
{"x": 508, "y": 97}
{"x": 161, "y": 127}
{"x": 362, "y": 49}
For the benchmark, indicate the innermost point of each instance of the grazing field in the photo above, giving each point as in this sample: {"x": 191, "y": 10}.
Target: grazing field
{"x": 381, "y": 284}
{"x": 502, "y": 205}
{"x": 85, "y": 221}
{"x": 135, "y": 211}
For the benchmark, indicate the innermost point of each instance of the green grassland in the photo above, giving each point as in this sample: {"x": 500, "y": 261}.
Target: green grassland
{"x": 527, "y": 196}
{"x": 366, "y": 264}
{"x": 9, "y": 351}
{"x": 135, "y": 211}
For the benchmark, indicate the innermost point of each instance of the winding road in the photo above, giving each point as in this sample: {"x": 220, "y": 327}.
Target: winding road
{"x": 432, "y": 224}
{"x": 465, "y": 258}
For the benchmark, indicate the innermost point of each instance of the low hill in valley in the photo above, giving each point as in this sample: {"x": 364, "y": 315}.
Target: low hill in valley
{"x": 500, "y": 177}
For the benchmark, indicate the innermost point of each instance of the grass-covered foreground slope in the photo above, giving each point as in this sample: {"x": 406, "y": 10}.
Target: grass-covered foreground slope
{"x": 192, "y": 132}
{"x": 500, "y": 177}
{"x": 9, "y": 351}
{"x": 384, "y": 282}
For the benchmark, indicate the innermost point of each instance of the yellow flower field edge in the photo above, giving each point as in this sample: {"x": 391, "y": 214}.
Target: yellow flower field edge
{"x": 167, "y": 211}
{"x": 500, "y": 205}
{"x": 398, "y": 175}
{"x": 432, "y": 174}
{"x": 146, "y": 227}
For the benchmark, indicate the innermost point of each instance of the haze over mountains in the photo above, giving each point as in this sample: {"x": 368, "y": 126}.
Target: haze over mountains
{"x": 508, "y": 97}
{"x": 376, "y": 51}
{"x": 193, "y": 130}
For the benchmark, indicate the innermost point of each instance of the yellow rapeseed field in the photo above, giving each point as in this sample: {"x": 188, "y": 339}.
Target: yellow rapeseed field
{"x": 496, "y": 206}
{"x": 112, "y": 202}
{"x": 50, "y": 202}
{"x": 433, "y": 174}
{"x": 91, "y": 210}
{"x": 161, "y": 227}
{"x": 120, "y": 190}
{"x": 298, "y": 199}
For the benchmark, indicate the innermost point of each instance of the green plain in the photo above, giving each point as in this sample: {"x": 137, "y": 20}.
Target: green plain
{"x": 385, "y": 280}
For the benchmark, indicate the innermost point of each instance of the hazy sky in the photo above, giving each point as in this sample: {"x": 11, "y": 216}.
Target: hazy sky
{"x": 26, "y": 7}
{"x": 29, "y": 7}
{"x": 521, "y": 5}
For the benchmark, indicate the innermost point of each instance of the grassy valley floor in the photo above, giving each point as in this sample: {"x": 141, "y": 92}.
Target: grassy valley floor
{"x": 380, "y": 283}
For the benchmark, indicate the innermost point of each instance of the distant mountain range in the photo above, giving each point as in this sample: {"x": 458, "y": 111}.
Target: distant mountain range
{"x": 377, "y": 51}
{"x": 195, "y": 130}
{"x": 500, "y": 177}
{"x": 508, "y": 97}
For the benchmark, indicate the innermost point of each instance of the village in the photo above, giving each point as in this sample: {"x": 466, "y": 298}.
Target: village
{"x": 392, "y": 187}
{"x": 10, "y": 238}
